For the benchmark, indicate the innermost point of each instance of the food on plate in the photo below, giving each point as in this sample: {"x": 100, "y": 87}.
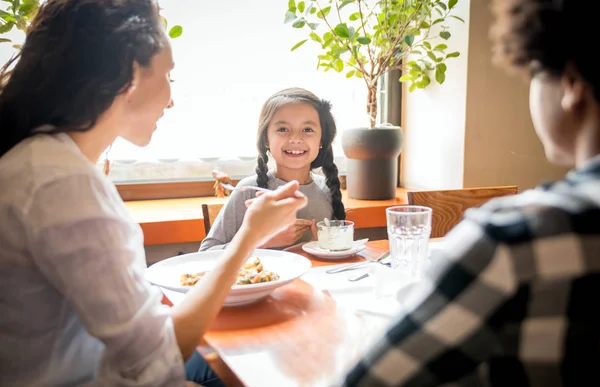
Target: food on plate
{"x": 251, "y": 273}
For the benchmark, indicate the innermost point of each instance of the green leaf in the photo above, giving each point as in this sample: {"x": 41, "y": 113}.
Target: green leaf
{"x": 292, "y": 6}
{"x": 406, "y": 78}
{"x": 345, "y": 3}
{"x": 409, "y": 39}
{"x": 342, "y": 30}
{"x": 4, "y": 28}
{"x": 417, "y": 52}
{"x": 427, "y": 45}
{"x": 350, "y": 74}
{"x": 28, "y": 8}
{"x": 299, "y": 23}
{"x": 436, "y": 21}
{"x": 355, "y": 16}
{"x": 363, "y": 40}
{"x": 4, "y": 40}
{"x": 300, "y": 43}
{"x": 458, "y": 18}
{"x": 289, "y": 16}
{"x": 313, "y": 26}
{"x": 425, "y": 81}
{"x": 440, "y": 47}
{"x": 414, "y": 65}
{"x": 431, "y": 55}
{"x": 338, "y": 65}
{"x": 424, "y": 24}
{"x": 358, "y": 74}
{"x": 175, "y": 32}
{"x": 412, "y": 87}
{"x": 339, "y": 51}
{"x": 453, "y": 55}
{"x": 315, "y": 37}
{"x": 442, "y": 67}
{"x": 324, "y": 12}
{"x": 445, "y": 34}
{"x": 312, "y": 10}
{"x": 442, "y": 5}
{"x": 452, "y": 3}
{"x": 309, "y": 10}
{"x": 301, "y": 6}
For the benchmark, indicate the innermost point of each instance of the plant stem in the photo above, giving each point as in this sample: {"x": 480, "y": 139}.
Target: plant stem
{"x": 372, "y": 103}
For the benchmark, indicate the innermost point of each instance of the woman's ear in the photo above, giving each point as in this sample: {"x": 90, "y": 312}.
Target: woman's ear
{"x": 135, "y": 80}
{"x": 574, "y": 89}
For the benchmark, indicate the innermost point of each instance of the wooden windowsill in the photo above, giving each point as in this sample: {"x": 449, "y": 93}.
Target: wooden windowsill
{"x": 167, "y": 221}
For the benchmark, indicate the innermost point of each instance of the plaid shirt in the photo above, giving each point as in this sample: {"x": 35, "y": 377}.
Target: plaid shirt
{"x": 511, "y": 299}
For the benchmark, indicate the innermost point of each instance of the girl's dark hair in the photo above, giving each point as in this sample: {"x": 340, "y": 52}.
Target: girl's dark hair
{"x": 78, "y": 56}
{"x": 547, "y": 35}
{"x": 324, "y": 159}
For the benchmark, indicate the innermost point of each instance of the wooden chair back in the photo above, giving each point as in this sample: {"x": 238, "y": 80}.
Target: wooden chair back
{"x": 449, "y": 205}
{"x": 209, "y": 213}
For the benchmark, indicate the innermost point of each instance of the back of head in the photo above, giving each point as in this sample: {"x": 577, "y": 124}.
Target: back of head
{"x": 547, "y": 35}
{"x": 77, "y": 57}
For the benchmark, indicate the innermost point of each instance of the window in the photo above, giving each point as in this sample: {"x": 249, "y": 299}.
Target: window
{"x": 230, "y": 58}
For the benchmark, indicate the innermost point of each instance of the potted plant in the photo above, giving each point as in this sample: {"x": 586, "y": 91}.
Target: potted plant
{"x": 367, "y": 39}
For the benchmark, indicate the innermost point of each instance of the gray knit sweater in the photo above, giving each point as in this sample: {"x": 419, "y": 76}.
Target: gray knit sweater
{"x": 230, "y": 218}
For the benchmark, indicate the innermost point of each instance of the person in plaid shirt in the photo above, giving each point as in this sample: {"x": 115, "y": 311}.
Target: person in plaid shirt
{"x": 511, "y": 299}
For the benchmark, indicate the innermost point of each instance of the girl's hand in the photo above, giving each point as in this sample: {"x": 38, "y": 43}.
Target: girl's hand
{"x": 313, "y": 230}
{"x": 272, "y": 212}
{"x": 288, "y": 236}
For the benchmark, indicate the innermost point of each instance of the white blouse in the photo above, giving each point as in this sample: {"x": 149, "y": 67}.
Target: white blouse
{"x": 76, "y": 308}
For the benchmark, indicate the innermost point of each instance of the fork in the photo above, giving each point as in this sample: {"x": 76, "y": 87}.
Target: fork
{"x": 299, "y": 195}
{"x": 244, "y": 188}
{"x": 358, "y": 265}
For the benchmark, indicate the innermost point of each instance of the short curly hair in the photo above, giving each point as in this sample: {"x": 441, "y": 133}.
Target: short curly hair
{"x": 547, "y": 35}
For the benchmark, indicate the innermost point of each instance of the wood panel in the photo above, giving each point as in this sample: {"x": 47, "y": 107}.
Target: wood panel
{"x": 449, "y": 205}
{"x": 167, "y": 190}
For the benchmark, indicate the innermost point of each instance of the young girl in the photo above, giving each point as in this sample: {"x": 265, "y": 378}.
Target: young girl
{"x": 296, "y": 128}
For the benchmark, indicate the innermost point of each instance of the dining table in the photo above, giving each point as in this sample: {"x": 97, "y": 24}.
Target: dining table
{"x": 309, "y": 332}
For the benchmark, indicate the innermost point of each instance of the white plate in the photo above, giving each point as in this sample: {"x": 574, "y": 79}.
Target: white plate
{"x": 313, "y": 248}
{"x": 288, "y": 266}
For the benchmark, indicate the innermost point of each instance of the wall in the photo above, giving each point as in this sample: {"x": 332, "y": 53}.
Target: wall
{"x": 434, "y": 119}
{"x": 501, "y": 146}
{"x": 475, "y": 129}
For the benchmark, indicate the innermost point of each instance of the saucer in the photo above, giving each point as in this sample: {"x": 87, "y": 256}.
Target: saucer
{"x": 314, "y": 249}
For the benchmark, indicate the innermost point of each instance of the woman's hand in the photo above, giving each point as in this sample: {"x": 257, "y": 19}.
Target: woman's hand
{"x": 272, "y": 213}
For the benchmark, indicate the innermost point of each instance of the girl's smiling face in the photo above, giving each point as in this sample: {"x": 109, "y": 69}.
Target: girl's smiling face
{"x": 294, "y": 136}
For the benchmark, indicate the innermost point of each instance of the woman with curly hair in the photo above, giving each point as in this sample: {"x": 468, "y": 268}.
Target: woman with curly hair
{"x": 512, "y": 299}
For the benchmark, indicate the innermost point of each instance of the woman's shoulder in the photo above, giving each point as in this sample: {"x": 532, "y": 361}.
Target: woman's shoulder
{"x": 43, "y": 159}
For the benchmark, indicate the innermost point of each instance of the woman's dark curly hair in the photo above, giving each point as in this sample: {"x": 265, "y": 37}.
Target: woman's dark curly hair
{"x": 78, "y": 56}
{"x": 546, "y": 36}
{"x": 324, "y": 159}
